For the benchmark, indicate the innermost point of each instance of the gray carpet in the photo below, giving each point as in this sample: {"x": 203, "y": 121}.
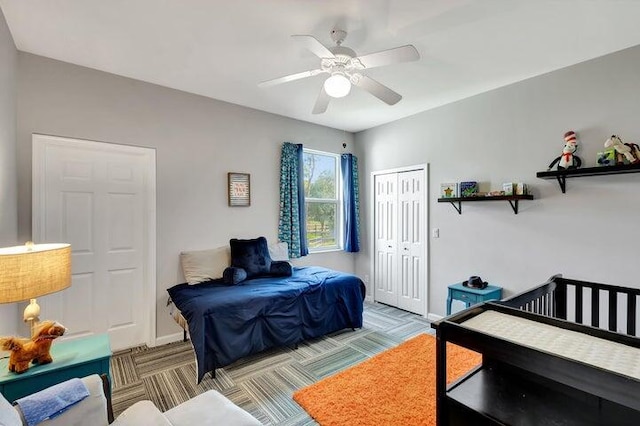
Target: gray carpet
{"x": 261, "y": 384}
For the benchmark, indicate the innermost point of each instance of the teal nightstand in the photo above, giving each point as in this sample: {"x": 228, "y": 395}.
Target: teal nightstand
{"x": 471, "y": 296}
{"x": 71, "y": 358}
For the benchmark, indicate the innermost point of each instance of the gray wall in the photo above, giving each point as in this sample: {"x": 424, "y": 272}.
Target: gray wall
{"x": 507, "y": 135}
{"x": 8, "y": 208}
{"x": 197, "y": 141}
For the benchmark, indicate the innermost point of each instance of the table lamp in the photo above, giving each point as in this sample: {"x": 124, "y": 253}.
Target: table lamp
{"x": 31, "y": 271}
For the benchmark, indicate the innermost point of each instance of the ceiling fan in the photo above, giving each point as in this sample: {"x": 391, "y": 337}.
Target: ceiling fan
{"x": 345, "y": 69}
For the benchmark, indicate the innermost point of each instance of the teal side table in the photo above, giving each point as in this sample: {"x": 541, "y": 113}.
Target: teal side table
{"x": 71, "y": 358}
{"x": 471, "y": 296}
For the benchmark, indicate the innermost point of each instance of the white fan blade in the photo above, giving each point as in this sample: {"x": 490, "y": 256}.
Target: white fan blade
{"x": 322, "y": 102}
{"x": 291, "y": 77}
{"x": 378, "y": 90}
{"x": 392, "y": 56}
{"x": 314, "y": 46}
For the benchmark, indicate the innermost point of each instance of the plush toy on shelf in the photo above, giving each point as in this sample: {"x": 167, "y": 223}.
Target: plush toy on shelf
{"x": 625, "y": 151}
{"x": 568, "y": 160}
{"x": 36, "y": 349}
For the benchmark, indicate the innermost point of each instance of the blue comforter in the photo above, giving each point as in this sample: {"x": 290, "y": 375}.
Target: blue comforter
{"x": 230, "y": 322}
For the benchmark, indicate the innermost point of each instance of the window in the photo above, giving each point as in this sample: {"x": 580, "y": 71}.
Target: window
{"x": 322, "y": 200}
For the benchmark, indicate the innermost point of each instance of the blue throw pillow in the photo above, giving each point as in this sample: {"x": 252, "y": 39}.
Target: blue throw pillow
{"x": 251, "y": 255}
{"x": 281, "y": 269}
{"x": 233, "y": 275}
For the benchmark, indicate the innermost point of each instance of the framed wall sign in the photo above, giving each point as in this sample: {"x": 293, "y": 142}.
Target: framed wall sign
{"x": 239, "y": 189}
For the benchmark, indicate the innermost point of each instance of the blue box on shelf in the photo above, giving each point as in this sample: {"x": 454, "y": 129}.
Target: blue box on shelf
{"x": 468, "y": 189}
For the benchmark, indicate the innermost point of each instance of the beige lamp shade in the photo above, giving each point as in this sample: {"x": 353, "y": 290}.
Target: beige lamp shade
{"x": 33, "y": 270}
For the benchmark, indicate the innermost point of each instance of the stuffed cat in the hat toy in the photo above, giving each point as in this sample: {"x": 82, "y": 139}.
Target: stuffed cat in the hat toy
{"x": 568, "y": 160}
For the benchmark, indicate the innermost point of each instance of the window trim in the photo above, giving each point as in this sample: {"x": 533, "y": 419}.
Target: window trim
{"x": 338, "y": 201}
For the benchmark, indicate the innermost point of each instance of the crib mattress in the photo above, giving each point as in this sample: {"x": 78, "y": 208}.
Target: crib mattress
{"x": 573, "y": 345}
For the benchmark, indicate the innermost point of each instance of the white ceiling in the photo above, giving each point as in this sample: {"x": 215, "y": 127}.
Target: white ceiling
{"x": 222, "y": 49}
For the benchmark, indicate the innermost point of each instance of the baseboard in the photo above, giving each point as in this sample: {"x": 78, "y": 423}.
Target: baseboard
{"x": 368, "y": 299}
{"x": 434, "y": 317}
{"x": 170, "y": 338}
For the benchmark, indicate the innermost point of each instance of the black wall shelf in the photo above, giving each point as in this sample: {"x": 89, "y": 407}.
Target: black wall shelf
{"x": 562, "y": 175}
{"x": 512, "y": 199}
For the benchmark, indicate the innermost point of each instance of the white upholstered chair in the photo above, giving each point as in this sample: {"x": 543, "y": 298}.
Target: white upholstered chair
{"x": 209, "y": 408}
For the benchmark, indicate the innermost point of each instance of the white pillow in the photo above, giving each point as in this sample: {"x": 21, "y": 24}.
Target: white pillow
{"x": 204, "y": 265}
{"x": 279, "y": 251}
{"x": 8, "y": 415}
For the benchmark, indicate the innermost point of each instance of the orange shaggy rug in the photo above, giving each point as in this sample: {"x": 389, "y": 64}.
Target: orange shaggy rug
{"x": 395, "y": 387}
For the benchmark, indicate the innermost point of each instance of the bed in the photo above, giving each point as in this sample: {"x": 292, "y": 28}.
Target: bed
{"x": 226, "y": 323}
{"x": 556, "y": 354}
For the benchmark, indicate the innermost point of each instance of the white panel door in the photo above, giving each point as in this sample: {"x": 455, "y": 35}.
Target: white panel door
{"x": 411, "y": 247}
{"x": 400, "y": 248}
{"x": 96, "y": 197}
{"x": 385, "y": 262}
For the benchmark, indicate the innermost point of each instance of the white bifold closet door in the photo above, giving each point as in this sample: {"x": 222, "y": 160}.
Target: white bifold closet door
{"x": 400, "y": 265}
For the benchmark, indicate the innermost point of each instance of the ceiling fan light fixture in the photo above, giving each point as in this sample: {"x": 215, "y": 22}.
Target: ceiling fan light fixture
{"x": 337, "y": 86}
{"x": 344, "y": 67}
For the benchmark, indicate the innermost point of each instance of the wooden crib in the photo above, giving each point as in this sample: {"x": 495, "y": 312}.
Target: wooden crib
{"x": 564, "y": 353}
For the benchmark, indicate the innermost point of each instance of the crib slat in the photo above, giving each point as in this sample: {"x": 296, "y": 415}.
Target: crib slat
{"x": 595, "y": 307}
{"x": 579, "y": 304}
{"x": 560, "y": 302}
{"x": 631, "y": 314}
{"x": 613, "y": 310}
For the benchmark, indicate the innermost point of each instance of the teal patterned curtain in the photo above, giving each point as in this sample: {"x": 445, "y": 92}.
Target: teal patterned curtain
{"x": 351, "y": 202}
{"x": 292, "y": 225}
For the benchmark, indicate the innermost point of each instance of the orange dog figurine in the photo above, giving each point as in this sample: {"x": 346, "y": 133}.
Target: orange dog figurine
{"x": 36, "y": 349}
